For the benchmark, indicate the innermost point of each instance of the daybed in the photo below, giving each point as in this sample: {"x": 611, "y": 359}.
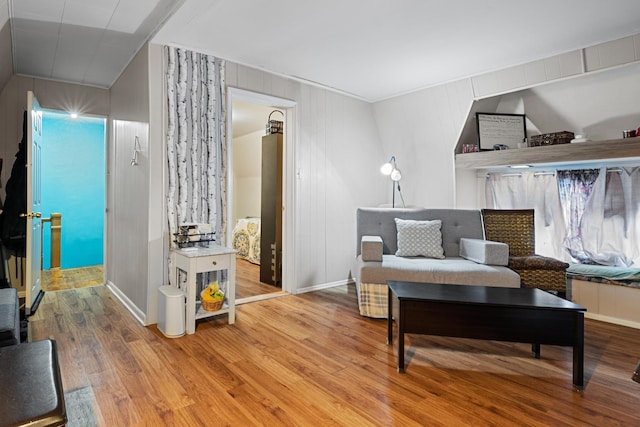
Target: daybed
{"x": 610, "y": 294}
{"x": 458, "y": 255}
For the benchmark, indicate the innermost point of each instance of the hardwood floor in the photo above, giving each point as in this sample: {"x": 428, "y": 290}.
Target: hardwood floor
{"x": 248, "y": 281}
{"x": 71, "y": 278}
{"x": 311, "y": 359}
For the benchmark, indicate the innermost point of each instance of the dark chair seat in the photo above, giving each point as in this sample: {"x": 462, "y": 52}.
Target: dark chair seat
{"x": 9, "y": 317}
{"x": 31, "y": 393}
{"x": 537, "y": 261}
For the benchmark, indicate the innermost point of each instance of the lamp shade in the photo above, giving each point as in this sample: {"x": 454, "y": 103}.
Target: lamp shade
{"x": 389, "y": 169}
{"x": 386, "y": 169}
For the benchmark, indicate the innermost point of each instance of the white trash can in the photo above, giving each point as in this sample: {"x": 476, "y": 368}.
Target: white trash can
{"x": 171, "y": 311}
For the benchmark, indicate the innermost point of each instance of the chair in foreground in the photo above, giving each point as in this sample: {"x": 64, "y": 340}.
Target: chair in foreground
{"x": 32, "y": 393}
{"x": 516, "y": 228}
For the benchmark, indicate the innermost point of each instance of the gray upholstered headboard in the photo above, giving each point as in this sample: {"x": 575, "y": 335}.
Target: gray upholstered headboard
{"x": 456, "y": 223}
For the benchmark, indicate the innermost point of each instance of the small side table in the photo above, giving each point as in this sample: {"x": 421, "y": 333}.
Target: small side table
{"x": 201, "y": 260}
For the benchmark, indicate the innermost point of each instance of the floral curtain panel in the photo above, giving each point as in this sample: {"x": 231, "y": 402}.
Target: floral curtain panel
{"x": 196, "y": 140}
{"x": 575, "y": 187}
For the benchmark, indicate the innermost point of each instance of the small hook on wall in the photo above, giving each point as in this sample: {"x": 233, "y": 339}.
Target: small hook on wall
{"x": 136, "y": 149}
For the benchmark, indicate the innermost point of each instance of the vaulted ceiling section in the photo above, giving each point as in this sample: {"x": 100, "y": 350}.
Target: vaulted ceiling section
{"x": 89, "y": 42}
{"x": 371, "y": 49}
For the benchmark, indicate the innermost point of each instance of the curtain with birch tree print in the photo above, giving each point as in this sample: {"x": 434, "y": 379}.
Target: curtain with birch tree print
{"x": 196, "y": 141}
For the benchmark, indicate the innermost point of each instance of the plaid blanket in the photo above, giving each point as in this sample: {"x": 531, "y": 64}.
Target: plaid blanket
{"x": 373, "y": 299}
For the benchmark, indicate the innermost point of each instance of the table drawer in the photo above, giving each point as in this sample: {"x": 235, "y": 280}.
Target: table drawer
{"x": 212, "y": 263}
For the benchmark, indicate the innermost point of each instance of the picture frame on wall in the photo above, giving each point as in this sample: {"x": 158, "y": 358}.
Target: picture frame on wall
{"x": 500, "y": 131}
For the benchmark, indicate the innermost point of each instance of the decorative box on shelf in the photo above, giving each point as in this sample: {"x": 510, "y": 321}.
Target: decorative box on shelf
{"x": 555, "y": 138}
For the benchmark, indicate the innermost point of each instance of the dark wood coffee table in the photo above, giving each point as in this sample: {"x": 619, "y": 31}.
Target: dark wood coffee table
{"x": 502, "y": 314}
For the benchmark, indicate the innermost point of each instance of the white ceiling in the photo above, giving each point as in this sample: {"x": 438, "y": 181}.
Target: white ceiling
{"x": 372, "y": 49}
{"x": 81, "y": 41}
{"x": 376, "y": 49}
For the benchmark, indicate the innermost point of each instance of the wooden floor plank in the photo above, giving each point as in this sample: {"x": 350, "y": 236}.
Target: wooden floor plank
{"x": 248, "y": 282}
{"x": 71, "y": 278}
{"x": 311, "y": 359}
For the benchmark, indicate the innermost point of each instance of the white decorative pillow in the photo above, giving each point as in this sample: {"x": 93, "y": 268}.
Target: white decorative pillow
{"x": 419, "y": 238}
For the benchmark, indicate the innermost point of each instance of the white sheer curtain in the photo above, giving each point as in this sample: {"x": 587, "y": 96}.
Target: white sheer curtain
{"x": 196, "y": 140}
{"x": 591, "y": 214}
{"x": 610, "y": 223}
{"x": 530, "y": 190}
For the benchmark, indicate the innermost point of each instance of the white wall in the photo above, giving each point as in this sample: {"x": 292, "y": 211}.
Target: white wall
{"x": 421, "y": 129}
{"x": 127, "y": 253}
{"x": 6, "y": 57}
{"x": 129, "y": 188}
{"x": 247, "y": 177}
{"x": 337, "y": 159}
{"x": 158, "y": 238}
{"x": 601, "y": 104}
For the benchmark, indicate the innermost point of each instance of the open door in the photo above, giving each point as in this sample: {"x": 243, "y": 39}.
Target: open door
{"x": 34, "y": 198}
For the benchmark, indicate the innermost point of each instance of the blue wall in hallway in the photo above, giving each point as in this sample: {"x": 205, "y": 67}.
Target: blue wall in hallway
{"x": 73, "y": 184}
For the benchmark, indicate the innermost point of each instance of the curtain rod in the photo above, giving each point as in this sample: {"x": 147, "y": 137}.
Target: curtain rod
{"x": 618, "y": 170}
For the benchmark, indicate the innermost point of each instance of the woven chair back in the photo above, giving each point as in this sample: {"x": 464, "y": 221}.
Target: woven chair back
{"x": 515, "y": 227}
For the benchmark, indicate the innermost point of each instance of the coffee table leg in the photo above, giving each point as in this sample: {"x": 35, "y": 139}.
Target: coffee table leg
{"x": 578, "y": 353}
{"x": 400, "y": 338}
{"x": 535, "y": 349}
{"x": 389, "y": 318}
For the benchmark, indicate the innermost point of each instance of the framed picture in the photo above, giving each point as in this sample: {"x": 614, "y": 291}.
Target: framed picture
{"x": 500, "y": 131}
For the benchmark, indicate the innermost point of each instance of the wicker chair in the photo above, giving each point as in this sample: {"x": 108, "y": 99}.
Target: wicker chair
{"x": 516, "y": 228}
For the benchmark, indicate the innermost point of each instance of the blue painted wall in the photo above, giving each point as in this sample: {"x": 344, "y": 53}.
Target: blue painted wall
{"x": 73, "y": 184}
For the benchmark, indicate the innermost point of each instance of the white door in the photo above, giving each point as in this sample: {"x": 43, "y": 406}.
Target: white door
{"x": 34, "y": 198}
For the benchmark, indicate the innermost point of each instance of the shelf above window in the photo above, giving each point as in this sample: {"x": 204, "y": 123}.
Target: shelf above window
{"x": 609, "y": 152}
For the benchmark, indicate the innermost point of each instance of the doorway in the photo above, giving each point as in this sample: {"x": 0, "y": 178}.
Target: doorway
{"x": 73, "y": 185}
{"x": 247, "y": 221}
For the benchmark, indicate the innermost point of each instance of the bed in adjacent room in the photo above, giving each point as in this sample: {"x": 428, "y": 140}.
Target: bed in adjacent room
{"x": 245, "y": 238}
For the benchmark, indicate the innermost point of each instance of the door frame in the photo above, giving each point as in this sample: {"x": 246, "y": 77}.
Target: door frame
{"x": 288, "y": 192}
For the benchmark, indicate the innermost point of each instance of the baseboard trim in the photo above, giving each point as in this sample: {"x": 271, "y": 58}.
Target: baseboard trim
{"x": 129, "y": 305}
{"x": 262, "y": 297}
{"x": 614, "y": 320}
{"x": 324, "y": 286}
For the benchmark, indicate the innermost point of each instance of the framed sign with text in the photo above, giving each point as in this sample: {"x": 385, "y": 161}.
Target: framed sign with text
{"x": 499, "y": 131}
